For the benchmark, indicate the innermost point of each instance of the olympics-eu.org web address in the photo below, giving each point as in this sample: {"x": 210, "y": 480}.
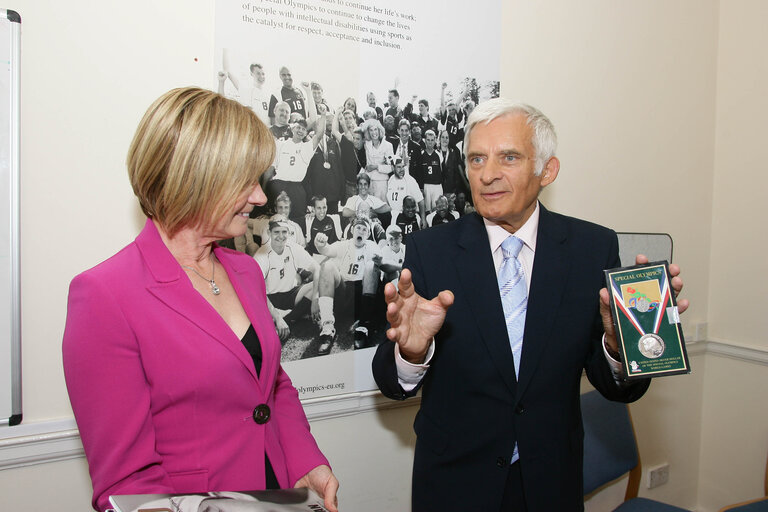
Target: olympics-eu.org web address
{"x": 320, "y": 387}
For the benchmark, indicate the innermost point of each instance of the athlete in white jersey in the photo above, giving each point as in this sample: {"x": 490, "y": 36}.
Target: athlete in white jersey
{"x": 392, "y": 255}
{"x": 291, "y": 163}
{"x": 352, "y": 206}
{"x": 293, "y": 157}
{"x": 352, "y": 260}
{"x": 283, "y": 210}
{"x": 251, "y": 94}
{"x": 290, "y": 274}
{"x": 400, "y": 186}
{"x": 348, "y": 278}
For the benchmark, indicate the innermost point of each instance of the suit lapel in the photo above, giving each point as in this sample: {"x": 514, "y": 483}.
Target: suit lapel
{"x": 474, "y": 265}
{"x": 551, "y": 268}
{"x": 249, "y": 286}
{"x": 171, "y": 286}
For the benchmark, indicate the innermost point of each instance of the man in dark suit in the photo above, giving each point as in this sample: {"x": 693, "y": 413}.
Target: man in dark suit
{"x": 490, "y": 437}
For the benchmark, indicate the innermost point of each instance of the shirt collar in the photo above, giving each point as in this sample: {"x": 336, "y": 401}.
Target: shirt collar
{"x": 527, "y": 232}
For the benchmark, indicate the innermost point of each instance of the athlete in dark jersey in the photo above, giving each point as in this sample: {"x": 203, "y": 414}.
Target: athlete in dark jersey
{"x": 394, "y": 109}
{"x": 289, "y": 94}
{"x": 281, "y": 130}
{"x": 408, "y": 221}
{"x": 452, "y": 165}
{"x": 406, "y": 149}
{"x": 430, "y": 169}
{"x": 451, "y": 119}
{"x": 320, "y": 223}
{"x": 423, "y": 118}
{"x": 325, "y": 175}
{"x": 454, "y": 125}
{"x": 352, "y": 151}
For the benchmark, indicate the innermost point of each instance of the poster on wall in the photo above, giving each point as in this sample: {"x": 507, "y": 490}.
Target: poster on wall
{"x": 367, "y": 102}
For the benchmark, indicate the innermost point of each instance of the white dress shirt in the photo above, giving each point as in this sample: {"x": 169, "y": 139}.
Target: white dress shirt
{"x": 409, "y": 374}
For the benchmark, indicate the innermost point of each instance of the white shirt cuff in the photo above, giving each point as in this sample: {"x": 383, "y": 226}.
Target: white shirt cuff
{"x": 616, "y": 366}
{"x": 408, "y": 374}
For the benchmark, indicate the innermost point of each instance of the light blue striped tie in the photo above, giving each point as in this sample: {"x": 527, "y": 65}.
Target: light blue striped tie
{"x": 514, "y": 300}
{"x": 514, "y": 295}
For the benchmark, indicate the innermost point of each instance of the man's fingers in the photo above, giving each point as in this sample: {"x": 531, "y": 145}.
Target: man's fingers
{"x": 445, "y": 298}
{"x": 393, "y": 314}
{"x": 405, "y": 284}
{"x": 390, "y": 293}
{"x": 392, "y": 334}
{"x": 604, "y": 298}
{"x": 605, "y": 308}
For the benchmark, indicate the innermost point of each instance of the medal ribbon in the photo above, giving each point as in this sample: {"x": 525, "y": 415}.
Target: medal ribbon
{"x": 619, "y": 301}
{"x": 662, "y": 306}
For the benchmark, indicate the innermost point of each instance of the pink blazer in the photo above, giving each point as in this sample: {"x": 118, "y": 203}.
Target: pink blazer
{"x": 164, "y": 392}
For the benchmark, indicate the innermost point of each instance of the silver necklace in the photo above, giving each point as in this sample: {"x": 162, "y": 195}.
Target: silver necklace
{"x": 215, "y": 289}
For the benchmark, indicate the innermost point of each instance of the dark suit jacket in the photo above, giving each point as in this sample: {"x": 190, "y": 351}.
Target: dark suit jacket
{"x": 472, "y": 409}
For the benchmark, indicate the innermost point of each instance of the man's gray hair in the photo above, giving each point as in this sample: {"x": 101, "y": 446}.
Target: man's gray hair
{"x": 544, "y": 136}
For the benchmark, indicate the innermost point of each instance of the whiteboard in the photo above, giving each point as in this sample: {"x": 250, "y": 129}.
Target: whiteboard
{"x": 10, "y": 305}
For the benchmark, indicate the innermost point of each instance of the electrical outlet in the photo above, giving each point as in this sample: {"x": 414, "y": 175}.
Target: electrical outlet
{"x": 658, "y": 475}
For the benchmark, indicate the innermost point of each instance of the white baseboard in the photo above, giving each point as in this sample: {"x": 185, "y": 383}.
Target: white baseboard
{"x": 39, "y": 443}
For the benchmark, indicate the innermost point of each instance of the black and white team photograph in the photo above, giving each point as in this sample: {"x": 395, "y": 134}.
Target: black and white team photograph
{"x": 350, "y": 181}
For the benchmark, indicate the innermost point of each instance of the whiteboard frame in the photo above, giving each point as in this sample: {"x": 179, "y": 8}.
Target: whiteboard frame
{"x": 14, "y": 336}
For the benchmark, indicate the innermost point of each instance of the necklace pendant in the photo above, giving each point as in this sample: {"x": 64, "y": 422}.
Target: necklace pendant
{"x": 215, "y": 289}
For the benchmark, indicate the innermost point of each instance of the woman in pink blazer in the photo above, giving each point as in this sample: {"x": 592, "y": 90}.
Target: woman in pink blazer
{"x": 171, "y": 357}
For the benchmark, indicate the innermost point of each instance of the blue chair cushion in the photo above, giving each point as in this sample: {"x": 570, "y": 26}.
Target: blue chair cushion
{"x": 646, "y": 505}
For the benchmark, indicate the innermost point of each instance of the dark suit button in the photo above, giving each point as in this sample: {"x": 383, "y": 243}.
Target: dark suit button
{"x": 519, "y": 409}
{"x": 501, "y": 462}
{"x": 261, "y": 414}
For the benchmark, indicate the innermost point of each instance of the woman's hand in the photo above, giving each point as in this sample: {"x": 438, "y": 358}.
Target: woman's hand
{"x": 324, "y": 483}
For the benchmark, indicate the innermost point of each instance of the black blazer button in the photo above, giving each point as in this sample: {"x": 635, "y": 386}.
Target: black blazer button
{"x": 501, "y": 462}
{"x": 261, "y": 414}
{"x": 519, "y": 409}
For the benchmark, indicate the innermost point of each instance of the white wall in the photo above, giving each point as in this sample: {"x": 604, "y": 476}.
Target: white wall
{"x": 630, "y": 87}
{"x": 89, "y": 71}
{"x": 738, "y": 254}
{"x": 657, "y": 106}
{"x": 734, "y": 434}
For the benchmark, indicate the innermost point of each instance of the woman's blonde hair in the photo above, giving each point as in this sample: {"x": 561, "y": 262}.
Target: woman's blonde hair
{"x": 193, "y": 154}
{"x": 368, "y": 123}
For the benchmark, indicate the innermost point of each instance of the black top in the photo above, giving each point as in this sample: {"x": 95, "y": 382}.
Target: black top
{"x": 251, "y": 342}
